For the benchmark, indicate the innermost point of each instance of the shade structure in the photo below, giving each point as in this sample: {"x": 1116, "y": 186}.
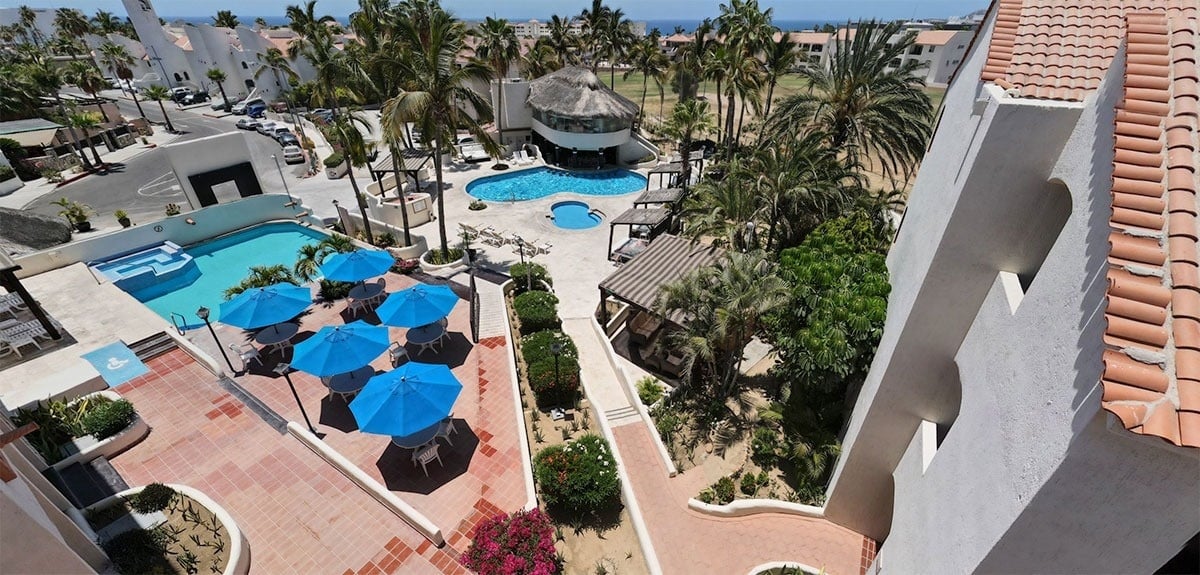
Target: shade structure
{"x": 357, "y": 265}
{"x": 260, "y": 307}
{"x": 417, "y": 306}
{"x": 340, "y": 349}
{"x": 406, "y": 400}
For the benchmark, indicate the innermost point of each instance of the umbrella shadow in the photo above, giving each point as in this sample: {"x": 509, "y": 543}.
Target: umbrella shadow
{"x": 335, "y": 413}
{"x": 453, "y": 353}
{"x": 400, "y": 473}
{"x": 368, "y": 316}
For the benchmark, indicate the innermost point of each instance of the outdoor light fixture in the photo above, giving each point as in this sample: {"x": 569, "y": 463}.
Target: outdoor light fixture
{"x": 556, "y": 350}
{"x": 202, "y": 313}
{"x": 282, "y": 369}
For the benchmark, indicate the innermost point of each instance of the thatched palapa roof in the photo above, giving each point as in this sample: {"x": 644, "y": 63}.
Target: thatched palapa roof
{"x": 576, "y": 92}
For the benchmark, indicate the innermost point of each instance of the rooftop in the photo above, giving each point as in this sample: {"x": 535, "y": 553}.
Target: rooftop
{"x": 667, "y": 259}
{"x": 576, "y": 92}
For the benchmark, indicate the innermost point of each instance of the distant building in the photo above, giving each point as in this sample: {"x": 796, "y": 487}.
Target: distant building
{"x": 940, "y": 51}
{"x": 44, "y": 21}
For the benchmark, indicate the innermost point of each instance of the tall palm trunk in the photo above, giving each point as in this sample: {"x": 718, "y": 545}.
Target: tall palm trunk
{"x": 224, "y": 98}
{"x": 741, "y": 122}
{"x": 163, "y": 109}
{"x": 92, "y": 145}
{"x": 500, "y": 98}
{"x": 642, "y": 108}
{"x": 133, "y": 94}
{"x": 441, "y": 201}
{"x": 71, "y": 130}
{"x": 362, "y": 202}
{"x": 287, "y": 100}
{"x": 770, "y": 94}
{"x": 399, "y": 192}
{"x": 719, "y": 104}
{"x": 730, "y": 103}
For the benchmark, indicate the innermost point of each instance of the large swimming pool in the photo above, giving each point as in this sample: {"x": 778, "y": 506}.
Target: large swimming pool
{"x": 222, "y": 263}
{"x": 541, "y": 182}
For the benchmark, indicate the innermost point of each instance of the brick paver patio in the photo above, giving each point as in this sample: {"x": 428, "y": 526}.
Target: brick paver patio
{"x": 688, "y": 542}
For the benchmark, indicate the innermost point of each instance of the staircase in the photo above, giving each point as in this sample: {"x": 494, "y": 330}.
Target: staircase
{"x": 87, "y": 483}
{"x": 622, "y": 415}
{"x": 153, "y": 346}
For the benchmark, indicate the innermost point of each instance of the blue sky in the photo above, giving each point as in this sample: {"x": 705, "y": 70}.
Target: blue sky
{"x": 637, "y": 9}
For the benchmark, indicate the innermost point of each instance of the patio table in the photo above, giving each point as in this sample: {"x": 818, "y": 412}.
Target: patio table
{"x": 425, "y": 336}
{"x": 352, "y": 382}
{"x": 366, "y": 291}
{"x": 418, "y": 439}
{"x": 278, "y": 336}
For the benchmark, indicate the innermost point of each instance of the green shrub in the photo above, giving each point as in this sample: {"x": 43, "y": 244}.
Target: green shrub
{"x": 536, "y": 311}
{"x": 580, "y": 475}
{"x": 334, "y": 160}
{"x": 139, "y": 551}
{"x": 649, "y": 391}
{"x": 723, "y": 490}
{"x": 764, "y": 447}
{"x": 330, "y": 290}
{"x": 522, "y": 273}
{"x": 477, "y": 205}
{"x": 153, "y": 497}
{"x": 535, "y": 347}
{"x": 385, "y": 240}
{"x": 59, "y": 421}
{"x": 752, "y": 482}
{"x": 107, "y": 420}
{"x": 554, "y": 389}
{"x": 7, "y": 173}
{"x": 438, "y": 258}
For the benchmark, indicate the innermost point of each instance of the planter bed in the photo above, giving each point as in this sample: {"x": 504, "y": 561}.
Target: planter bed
{"x": 83, "y": 447}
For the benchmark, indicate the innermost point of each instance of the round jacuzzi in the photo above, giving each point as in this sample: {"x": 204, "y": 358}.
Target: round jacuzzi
{"x": 574, "y": 215}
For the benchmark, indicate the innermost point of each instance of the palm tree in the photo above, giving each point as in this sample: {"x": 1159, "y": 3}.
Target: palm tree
{"x": 118, "y": 60}
{"x": 723, "y": 211}
{"x": 540, "y": 60}
{"x": 305, "y": 22}
{"x": 779, "y": 59}
{"x": 498, "y": 47}
{"x": 48, "y": 78}
{"x": 594, "y": 20}
{"x": 435, "y": 92}
{"x": 260, "y": 23}
{"x": 88, "y": 78}
{"x": 345, "y": 133}
{"x": 225, "y": 19}
{"x": 158, "y": 94}
{"x": 561, "y": 40}
{"x": 648, "y": 60}
{"x": 71, "y": 25}
{"x": 261, "y": 276}
{"x": 866, "y": 106}
{"x": 688, "y": 119}
{"x": 277, "y": 62}
{"x": 19, "y": 95}
{"x": 86, "y": 122}
{"x": 724, "y": 304}
{"x": 218, "y": 76}
{"x": 617, "y": 38}
{"x": 28, "y": 20}
{"x": 106, "y": 22}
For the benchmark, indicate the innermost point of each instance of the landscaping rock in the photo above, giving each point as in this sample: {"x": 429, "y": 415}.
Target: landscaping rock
{"x": 22, "y": 231}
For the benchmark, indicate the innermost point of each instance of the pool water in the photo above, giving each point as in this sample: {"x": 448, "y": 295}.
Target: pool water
{"x": 147, "y": 267}
{"x": 573, "y": 215}
{"x": 541, "y": 182}
{"x": 222, "y": 263}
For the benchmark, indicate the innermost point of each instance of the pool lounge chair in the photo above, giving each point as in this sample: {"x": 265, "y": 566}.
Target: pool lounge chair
{"x": 492, "y": 237}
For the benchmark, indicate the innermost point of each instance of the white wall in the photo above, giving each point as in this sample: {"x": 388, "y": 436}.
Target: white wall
{"x": 571, "y": 140}
{"x": 205, "y": 154}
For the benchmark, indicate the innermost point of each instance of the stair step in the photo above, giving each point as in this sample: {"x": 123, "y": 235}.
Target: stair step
{"x": 153, "y": 346}
{"x": 87, "y": 483}
{"x": 620, "y": 412}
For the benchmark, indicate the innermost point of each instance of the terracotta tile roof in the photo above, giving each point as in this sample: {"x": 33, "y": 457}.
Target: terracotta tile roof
{"x": 1060, "y": 49}
{"x": 935, "y": 37}
{"x": 1151, "y": 375}
{"x": 813, "y": 38}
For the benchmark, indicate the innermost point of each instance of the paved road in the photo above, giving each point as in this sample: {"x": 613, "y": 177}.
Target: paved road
{"x": 145, "y": 184}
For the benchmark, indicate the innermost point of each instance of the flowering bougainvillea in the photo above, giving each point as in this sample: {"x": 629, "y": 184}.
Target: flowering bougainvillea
{"x": 581, "y": 475}
{"x": 517, "y": 544}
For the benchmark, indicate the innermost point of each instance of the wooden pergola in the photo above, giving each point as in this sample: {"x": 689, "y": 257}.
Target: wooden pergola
{"x": 412, "y": 161}
{"x": 656, "y": 219}
{"x": 12, "y": 284}
{"x": 662, "y": 196}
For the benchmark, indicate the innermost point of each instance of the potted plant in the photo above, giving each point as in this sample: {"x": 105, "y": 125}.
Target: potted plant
{"x": 77, "y": 214}
{"x": 336, "y": 166}
{"x": 122, "y": 218}
{"x": 173, "y": 209}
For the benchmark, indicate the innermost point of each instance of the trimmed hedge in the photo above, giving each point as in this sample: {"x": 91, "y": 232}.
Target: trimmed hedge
{"x": 535, "y": 347}
{"x": 153, "y": 497}
{"x": 109, "y": 419}
{"x": 537, "y": 311}
{"x": 551, "y": 390}
{"x": 521, "y": 273}
{"x": 334, "y": 160}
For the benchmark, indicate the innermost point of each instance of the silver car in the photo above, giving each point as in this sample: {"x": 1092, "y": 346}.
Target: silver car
{"x": 266, "y": 128}
{"x": 293, "y": 155}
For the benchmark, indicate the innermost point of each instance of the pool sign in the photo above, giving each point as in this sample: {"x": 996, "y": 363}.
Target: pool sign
{"x": 116, "y": 363}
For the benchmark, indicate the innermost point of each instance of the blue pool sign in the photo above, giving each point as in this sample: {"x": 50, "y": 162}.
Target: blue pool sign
{"x": 116, "y": 363}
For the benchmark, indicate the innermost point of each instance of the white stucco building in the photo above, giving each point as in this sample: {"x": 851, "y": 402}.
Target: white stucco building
{"x": 1034, "y": 404}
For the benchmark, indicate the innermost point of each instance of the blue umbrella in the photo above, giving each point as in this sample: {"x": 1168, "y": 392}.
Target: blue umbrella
{"x": 260, "y": 307}
{"x": 357, "y": 265}
{"x": 417, "y": 306}
{"x": 337, "y": 349}
{"x": 406, "y": 400}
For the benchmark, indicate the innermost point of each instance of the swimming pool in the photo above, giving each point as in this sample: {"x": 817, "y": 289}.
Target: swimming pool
{"x": 222, "y": 263}
{"x": 573, "y": 215}
{"x": 541, "y": 182}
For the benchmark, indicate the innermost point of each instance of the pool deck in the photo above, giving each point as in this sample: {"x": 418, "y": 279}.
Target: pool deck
{"x": 92, "y": 315}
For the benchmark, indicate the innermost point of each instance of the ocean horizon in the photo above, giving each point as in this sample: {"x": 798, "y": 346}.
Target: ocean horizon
{"x": 665, "y": 27}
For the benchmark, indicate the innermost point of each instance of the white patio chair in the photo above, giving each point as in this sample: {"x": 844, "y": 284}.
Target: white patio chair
{"x": 446, "y": 428}
{"x": 16, "y": 342}
{"x": 359, "y": 305}
{"x": 492, "y": 237}
{"x": 471, "y": 231}
{"x": 397, "y": 352}
{"x": 425, "y": 455}
{"x": 246, "y": 353}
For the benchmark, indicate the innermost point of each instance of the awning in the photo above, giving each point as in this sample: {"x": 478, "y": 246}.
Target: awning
{"x": 666, "y": 260}
{"x": 670, "y": 168}
{"x": 411, "y": 160}
{"x": 33, "y": 139}
{"x": 642, "y": 217}
{"x": 663, "y": 196}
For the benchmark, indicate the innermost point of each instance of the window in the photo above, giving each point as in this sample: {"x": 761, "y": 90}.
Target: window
{"x": 186, "y": 76}
{"x": 915, "y": 50}
{"x": 817, "y": 47}
{"x": 932, "y": 48}
{"x": 244, "y": 66}
{"x": 178, "y": 78}
{"x": 895, "y": 63}
{"x": 960, "y": 47}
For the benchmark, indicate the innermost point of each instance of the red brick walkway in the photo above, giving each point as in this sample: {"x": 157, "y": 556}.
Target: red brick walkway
{"x": 688, "y": 542}
{"x": 298, "y": 513}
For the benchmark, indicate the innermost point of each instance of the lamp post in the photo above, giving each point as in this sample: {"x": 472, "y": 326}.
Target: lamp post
{"x": 528, "y": 269}
{"x": 291, "y": 201}
{"x": 202, "y": 313}
{"x": 556, "y": 350}
{"x": 282, "y": 369}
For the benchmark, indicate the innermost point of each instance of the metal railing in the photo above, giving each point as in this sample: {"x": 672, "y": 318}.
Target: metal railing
{"x": 178, "y": 328}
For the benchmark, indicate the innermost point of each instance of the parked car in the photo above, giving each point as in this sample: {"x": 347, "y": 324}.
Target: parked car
{"x": 266, "y": 128}
{"x": 240, "y": 107}
{"x": 256, "y": 111}
{"x": 111, "y": 83}
{"x": 218, "y": 104}
{"x": 322, "y": 114}
{"x": 280, "y": 131}
{"x": 289, "y": 139}
{"x": 293, "y": 155}
{"x": 177, "y": 94}
{"x": 195, "y": 98}
{"x": 247, "y": 124}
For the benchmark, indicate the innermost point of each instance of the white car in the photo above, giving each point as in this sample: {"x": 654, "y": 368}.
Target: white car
{"x": 247, "y": 124}
{"x": 266, "y": 128}
{"x": 293, "y": 155}
{"x": 240, "y": 107}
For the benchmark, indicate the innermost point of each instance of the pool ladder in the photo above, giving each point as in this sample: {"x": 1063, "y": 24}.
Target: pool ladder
{"x": 178, "y": 327}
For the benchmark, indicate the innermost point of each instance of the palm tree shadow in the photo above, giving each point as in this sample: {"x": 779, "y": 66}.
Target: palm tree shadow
{"x": 400, "y": 473}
